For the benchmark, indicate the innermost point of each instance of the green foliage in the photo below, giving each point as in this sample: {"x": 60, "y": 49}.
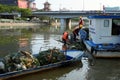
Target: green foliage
{"x": 25, "y": 12}
{"x": 75, "y": 19}
{"x": 18, "y": 18}
{"x": 44, "y": 18}
{"x": 10, "y": 9}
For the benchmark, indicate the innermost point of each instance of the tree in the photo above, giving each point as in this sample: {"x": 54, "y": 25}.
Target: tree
{"x": 25, "y": 12}
{"x": 12, "y": 9}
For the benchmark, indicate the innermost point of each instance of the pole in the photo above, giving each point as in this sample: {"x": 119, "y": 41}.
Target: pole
{"x": 83, "y": 5}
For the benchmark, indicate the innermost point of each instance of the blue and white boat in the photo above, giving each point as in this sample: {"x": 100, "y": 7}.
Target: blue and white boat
{"x": 72, "y": 57}
{"x": 102, "y": 37}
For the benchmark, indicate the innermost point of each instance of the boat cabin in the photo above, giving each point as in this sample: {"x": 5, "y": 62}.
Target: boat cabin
{"x": 104, "y": 29}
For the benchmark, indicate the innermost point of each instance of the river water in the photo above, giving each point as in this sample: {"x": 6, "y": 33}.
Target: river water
{"x": 36, "y": 38}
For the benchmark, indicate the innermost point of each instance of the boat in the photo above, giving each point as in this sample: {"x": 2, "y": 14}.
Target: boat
{"x": 102, "y": 37}
{"x": 72, "y": 56}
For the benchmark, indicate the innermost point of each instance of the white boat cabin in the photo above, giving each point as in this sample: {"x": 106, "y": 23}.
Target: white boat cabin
{"x": 104, "y": 29}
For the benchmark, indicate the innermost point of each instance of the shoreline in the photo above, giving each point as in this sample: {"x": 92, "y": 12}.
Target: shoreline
{"x": 21, "y": 24}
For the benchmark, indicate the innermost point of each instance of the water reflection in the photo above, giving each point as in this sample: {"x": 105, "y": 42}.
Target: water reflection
{"x": 79, "y": 73}
{"x": 62, "y": 29}
{"x": 28, "y": 39}
{"x": 24, "y": 44}
{"x": 41, "y": 43}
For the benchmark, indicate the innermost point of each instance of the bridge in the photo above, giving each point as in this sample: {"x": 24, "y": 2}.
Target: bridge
{"x": 65, "y": 16}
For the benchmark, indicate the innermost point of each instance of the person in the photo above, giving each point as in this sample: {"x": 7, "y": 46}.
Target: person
{"x": 81, "y": 22}
{"x": 75, "y": 32}
{"x": 77, "y": 28}
{"x": 65, "y": 37}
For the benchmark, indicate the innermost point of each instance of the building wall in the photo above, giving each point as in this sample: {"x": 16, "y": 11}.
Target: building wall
{"x": 19, "y": 3}
{"x": 22, "y": 3}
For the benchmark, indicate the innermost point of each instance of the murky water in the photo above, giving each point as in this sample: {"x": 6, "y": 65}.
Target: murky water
{"x": 34, "y": 39}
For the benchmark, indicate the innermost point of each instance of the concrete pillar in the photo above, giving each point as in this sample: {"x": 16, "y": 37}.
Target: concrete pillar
{"x": 56, "y": 22}
{"x": 65, "y": 23}
{"x": 62, "y": 25}
{"x": 62, "y": 22}
{"x": 68, "y": 23}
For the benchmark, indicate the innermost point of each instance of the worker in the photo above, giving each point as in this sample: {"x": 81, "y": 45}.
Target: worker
{"x": 81, "y": 22}
{"x": 65, "y": 37}
{"x": 77, "y": 28}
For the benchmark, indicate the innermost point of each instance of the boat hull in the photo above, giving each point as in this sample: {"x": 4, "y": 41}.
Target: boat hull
{"x": 102, "y": 53}
{"x": 70, "y": 60}
{"x": 33, "y": 70}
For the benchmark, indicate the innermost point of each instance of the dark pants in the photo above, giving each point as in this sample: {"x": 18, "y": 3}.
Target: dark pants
{"x": 64, "y": 41}
{"x": 74, "y": 37}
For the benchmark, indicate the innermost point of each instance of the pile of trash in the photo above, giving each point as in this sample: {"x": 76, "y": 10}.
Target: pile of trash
{"x": 77, "y": 46}
{"x": 23, "y": 60}
{"x": 20, "y": 61}
{"x": 50, "y": 56}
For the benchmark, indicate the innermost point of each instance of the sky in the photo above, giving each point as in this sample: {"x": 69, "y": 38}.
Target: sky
{"x": 56, "y": 5}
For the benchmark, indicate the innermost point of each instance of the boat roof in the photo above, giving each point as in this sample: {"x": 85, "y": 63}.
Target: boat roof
{"x": 104, "y": 17}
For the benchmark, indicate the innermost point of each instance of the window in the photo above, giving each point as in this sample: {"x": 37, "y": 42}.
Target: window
{"x": 106, "y": 23}
{"x": 90, "y": 22}
{"x": 116, "y": 27}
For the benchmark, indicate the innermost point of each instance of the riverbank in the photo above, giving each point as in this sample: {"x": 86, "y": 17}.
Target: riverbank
{"x": 21, "y": 24}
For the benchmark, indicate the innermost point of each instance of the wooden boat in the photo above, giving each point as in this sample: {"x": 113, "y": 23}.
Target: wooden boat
{"x": 102, "y": 37}
{"x": 72, "y": 56}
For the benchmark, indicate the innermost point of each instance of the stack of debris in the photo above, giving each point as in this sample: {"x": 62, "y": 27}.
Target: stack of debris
{"x": 20, "y": 61}
{"x": 25, "y": 60}
{"x": 50, "y": 56}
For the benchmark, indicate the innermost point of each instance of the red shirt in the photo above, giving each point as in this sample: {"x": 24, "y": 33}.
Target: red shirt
{"x": 65, "y": 35}
{"x": 81, "y": 22}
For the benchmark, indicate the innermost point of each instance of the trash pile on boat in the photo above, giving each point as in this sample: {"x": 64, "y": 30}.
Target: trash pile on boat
{"x": 77, "y": 46}
{"x": 23, "y": 60}
{"x": 50, "y": 56}
{"x": 20, "y": 61}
